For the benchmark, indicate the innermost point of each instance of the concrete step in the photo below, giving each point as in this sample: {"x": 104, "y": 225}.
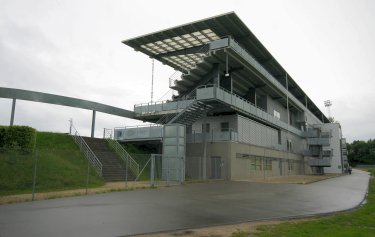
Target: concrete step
{"x": 114, "y": 169}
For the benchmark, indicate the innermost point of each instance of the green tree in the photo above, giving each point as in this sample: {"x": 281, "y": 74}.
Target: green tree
{"x": 361, "y": 152}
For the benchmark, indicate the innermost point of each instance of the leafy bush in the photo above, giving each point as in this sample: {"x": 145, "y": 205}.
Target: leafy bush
{"x": 2, "y": 135}
{"x": 18, "y": 137}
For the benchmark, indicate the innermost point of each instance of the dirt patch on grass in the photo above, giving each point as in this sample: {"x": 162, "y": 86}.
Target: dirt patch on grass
{"x": 249, "y": 228}
{"x": 108, "y": 187}
{"x": 292, "y": 179}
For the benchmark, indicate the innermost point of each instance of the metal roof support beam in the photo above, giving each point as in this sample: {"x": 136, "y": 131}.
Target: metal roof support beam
{"x": 35, "y": 96}
{"x": 259, "y": 86}
{"x": 93, "y": 123}
{"x": 216, "y": 75}
{"x": 235, "y": 69}
{"x": 13, "y": 111}
{"x": 191, "y": 50}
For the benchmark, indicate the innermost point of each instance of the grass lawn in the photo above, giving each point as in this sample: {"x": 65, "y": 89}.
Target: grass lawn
{"x": 60, "y": 166}
{"x": 358, "y": 223}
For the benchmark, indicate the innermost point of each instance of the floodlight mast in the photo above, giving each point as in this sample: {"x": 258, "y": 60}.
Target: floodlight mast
{"x": 328, "y": 104}
{"x": 152, "y": 81}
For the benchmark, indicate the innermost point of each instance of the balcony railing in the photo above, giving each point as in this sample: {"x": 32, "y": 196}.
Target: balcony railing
{"x": 319, "y": 141}
{"x": 254, "y": 63}
{"x": 239, "y": 103}
{"x": 320, "y": 162}
{"x": 213, "y": 136}
{"x": 161, "y": 106}
{"x": 143, "y": 132}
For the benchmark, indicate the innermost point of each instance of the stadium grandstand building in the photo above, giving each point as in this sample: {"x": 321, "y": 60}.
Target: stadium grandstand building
{"x": 237, "y": 113}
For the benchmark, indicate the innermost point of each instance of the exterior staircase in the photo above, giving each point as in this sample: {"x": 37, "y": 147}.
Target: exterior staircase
{"x": 191, "y": 114}
{"x": 114, "y": 169}
{"x": 188, "y": 116}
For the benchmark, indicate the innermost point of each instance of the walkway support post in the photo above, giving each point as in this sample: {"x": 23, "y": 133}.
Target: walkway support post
{"x": 93, "y": 123}
{"x": 13, "y": 111}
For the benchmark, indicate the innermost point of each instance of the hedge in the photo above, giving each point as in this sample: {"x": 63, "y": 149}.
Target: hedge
{"x": 17, "y": 137}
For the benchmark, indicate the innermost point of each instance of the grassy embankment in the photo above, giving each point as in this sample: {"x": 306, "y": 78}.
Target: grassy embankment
{"x": 358, "y": 223}
{"x": 60, "y": 166}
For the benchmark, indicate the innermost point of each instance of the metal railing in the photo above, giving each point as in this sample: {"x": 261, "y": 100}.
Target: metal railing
{"x": 160, "y": 106}
{"x": 247, "y": 56}
{"x": 85, "y": 149}
{"x": 150, "y": 131}
{"x": 320, "y": 162}
{"x": 239, "y": 103}
{"x": 124, "y": 155}
{"x": 212, "y": 136}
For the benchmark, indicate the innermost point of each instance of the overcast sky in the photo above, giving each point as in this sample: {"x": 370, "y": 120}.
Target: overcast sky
{"x": 74, "y": 48}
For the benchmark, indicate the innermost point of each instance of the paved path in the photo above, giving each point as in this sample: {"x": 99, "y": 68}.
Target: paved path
{"x": 191, "y": 206}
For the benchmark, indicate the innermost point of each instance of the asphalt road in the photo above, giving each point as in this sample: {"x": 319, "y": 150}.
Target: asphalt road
{"x": 190, "y": 206}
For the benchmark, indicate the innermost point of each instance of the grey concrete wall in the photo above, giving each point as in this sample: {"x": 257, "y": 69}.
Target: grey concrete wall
{"x": 241, "y": 167}
{"x": 312, "y": 119}
{"x": 215, "y": 123}
{"x": 298, "y": 144}
{"x": 276, "y": 105}
{"x": 334, "y": 141}
{"x": 252, "y": 132}
{"x": 194, "y": 159}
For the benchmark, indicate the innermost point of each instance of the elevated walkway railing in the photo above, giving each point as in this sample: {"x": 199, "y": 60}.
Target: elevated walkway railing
{"x": 124, "y": 155}
{"x": 212, "y": 136}
{"x": 161, "y": 106}
{"x": 211, "y": 92}
{"x": 254, "y": 63}
{"x": 142, "y": 132}
{"x": 85, "y": 149}
{"x": 320, "y": 162}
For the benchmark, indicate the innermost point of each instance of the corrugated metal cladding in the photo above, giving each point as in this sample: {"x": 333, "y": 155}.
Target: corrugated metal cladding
{"x": 252, "y": 132}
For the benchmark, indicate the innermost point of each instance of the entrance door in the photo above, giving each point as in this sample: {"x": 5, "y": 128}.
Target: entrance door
{"x": 215, "y": 167}
{"x": 281, "y": 167}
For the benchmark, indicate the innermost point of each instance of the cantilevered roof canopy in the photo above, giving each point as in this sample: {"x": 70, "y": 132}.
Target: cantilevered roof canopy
{"x": 184, "y": 46}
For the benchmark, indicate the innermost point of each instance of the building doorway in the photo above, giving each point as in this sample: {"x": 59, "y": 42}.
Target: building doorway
{"x": 216, "y": 164}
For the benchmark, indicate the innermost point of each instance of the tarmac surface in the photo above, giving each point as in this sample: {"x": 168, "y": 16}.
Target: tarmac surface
{"x": 179, "y": 207}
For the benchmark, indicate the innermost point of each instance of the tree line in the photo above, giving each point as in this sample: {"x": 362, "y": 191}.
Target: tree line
{"x": 361, "y": 152}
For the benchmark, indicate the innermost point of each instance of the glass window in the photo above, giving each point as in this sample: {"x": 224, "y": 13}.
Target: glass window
{"x": 252, "y": 163}
{"x": 276, "y": 114}
{"x": 207, "y": 130}
{"x": 268, "y": 164}
{"x": 290, "y": 165}
{"x": 224, "y": 127}
{"x": 258, "y": 163}
{"x": 289, "y": 145}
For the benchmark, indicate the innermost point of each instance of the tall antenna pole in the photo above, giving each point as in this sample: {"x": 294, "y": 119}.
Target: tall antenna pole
{"x": 152, "y": 81}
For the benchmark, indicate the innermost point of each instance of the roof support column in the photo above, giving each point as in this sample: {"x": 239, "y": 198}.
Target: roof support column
{"x": 216, "y": 75}
{"x": 289, "y": 143}
{"x": 204, "y": 150}
{"x": 306, "y": 101}
{"x": 93, "y": 123}
{"x": 13, "y": 112}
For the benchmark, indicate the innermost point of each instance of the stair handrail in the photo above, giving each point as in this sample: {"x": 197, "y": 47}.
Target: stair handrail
{"x": 124, "y": 155}
{"x": 191, "y": 95}
{"x": 182, "y": 112}
{"x": 85, "y": 149}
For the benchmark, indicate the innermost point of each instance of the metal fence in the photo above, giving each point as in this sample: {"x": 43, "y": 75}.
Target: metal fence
{"x": 46, "y": 173}
{"x": 160, "y": 170}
